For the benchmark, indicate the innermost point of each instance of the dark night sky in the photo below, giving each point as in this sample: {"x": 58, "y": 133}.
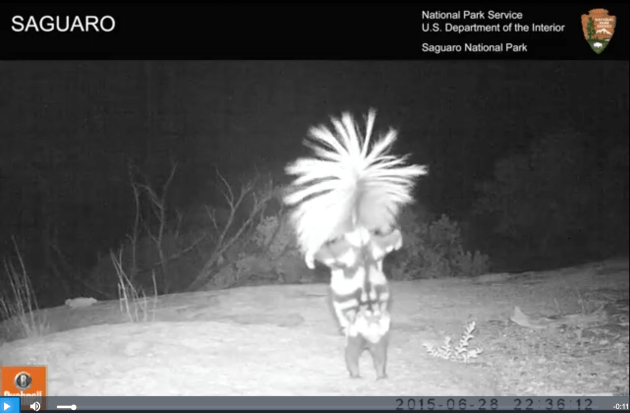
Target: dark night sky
{"x": 68, "y": 127}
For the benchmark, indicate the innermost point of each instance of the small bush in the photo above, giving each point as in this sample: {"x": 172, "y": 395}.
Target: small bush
{"x": 459, "y": 352}
{"x": 430, "y": 250}
{"x": 435, "y": 249}
{"x": 276, "y": 241}
{"x": 273, "y": 237}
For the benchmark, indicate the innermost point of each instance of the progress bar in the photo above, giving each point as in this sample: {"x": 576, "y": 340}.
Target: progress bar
{"x": 491, "y": 403}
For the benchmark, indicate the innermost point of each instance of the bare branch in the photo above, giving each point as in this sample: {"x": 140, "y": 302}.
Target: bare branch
{"x": 183, "y": 252}
{"x": 227, "y": 240}
{"x": 180, "y": 218}
{"x": 229, "y": 196}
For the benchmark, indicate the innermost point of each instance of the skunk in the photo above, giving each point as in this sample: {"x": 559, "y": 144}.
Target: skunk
{"x": 344, "y": 203}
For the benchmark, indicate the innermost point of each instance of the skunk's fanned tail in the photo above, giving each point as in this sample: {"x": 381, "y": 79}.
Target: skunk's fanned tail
{"x": 352, "y": 180}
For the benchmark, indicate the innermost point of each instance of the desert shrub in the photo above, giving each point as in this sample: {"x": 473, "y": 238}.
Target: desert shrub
{"x": 209, "y": 247}
{"x": 272, "y": 236}
{"x": 459, "y": 352}
{"x": 276, "y": 241}
{"x": 434, "y": 249}
{"x": 431, "y": 250}
{"x": 556, "y": 198}
{"x": 265, "y": 253}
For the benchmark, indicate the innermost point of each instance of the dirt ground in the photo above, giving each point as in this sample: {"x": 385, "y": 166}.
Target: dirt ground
{"x": 281, "y": 340}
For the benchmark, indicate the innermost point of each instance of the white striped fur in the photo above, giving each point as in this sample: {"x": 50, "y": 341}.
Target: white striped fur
{"x": 346, "y": 201}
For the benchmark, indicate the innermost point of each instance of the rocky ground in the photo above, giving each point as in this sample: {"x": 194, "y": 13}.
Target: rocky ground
{"x": 561, "y": 332}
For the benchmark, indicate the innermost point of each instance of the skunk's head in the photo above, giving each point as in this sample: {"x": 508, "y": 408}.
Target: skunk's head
{"x": 347, "y": 197}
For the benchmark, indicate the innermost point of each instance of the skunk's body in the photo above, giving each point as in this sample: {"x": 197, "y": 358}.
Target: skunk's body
{"x": 346, "y": 205}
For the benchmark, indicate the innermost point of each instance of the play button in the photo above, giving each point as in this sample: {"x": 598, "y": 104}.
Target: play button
{"x": 10, "y": 404}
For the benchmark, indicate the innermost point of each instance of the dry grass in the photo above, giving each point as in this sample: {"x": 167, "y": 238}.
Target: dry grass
{"x": 133, "y": 302}
{"x": 18, "y": 304}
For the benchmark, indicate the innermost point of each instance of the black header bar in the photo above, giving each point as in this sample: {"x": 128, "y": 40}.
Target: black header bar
{"x": 546, "y": 31}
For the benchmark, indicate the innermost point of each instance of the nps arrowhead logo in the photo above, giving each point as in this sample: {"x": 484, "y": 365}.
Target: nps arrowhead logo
{"x": 598, "y": 27}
